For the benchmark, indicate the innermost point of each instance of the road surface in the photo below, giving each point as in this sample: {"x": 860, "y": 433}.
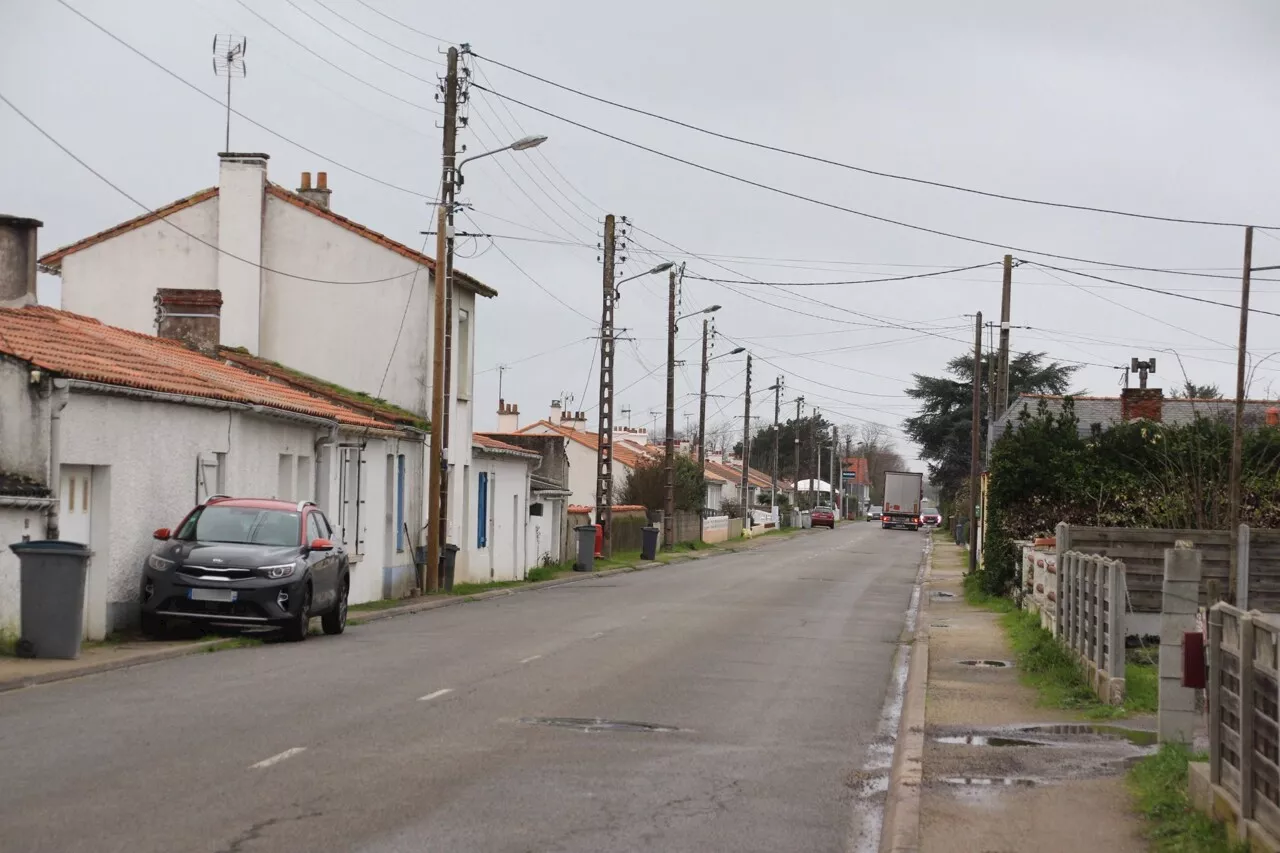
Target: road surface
{"x": 764, "y": 674}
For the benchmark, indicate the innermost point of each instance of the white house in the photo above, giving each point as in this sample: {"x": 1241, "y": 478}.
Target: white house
{"x": 106, "y": 435}
{"x": 299, "y": 284}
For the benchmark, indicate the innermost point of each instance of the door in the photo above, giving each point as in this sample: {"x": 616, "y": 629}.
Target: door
{"x": 75, "y": 496}
{"x": 324, "y": 567}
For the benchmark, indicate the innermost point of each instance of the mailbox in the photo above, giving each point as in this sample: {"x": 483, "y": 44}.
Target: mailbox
{"x": 1193, "y": 668}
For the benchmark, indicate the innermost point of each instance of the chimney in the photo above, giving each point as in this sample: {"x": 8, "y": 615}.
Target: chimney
{"x": 191, "y": 316}
{"x": 1142, "y": 404}
{"x": 578, "y": 420}
{"x": 1273, "y": 416}
{"x": 555, "y": 413}
{"x": 242, "y": 182}
{"x": 319, "y": 195}
{"x": 508, "y": 417}
{"x": 18, "y": 261}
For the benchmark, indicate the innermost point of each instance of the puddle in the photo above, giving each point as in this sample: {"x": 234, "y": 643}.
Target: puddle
{"x": 985, "y": 664}
{"x": 595, "y": 724}
{"x": 986, "y": 740}
{"x": 1137, "y": 737}
{"x": 943, "y": 595}
{"x": 990, "y": 781}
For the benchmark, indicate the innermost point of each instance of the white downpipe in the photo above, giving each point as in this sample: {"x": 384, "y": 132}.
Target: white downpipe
{"x": 61, "y": 392}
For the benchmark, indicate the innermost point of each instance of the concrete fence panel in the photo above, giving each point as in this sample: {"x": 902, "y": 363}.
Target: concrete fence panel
{"x": 1091, "y": 619}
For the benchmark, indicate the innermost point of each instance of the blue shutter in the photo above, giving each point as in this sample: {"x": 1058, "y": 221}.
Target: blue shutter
{"x": 482, "y": 513}
{"x": 400, "y": 502}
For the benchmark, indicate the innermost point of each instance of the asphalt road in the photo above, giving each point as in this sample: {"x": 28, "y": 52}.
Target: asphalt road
{"x": 766, "y": 672}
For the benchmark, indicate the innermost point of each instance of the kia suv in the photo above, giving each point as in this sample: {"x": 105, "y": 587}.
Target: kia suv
{"x": 247, "y": 562}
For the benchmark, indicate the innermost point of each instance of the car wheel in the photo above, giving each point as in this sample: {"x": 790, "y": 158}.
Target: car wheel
{"x": 152, "y": 626}
{"x": 295, "y": 630}
{"x": 335, "y": 621}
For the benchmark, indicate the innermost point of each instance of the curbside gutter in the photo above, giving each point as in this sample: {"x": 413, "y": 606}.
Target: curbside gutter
{"x": 359, "y": 618}
{"x": 901, "y": 833}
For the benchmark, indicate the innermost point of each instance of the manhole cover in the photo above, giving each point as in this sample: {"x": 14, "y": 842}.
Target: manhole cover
{"x": 595, "y": 724}
{"x": 985, "y": 664}
{"x": 986, "y": 740}
{"x": 1137, "y": 737}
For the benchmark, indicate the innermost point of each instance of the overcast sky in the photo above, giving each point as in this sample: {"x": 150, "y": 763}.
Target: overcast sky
{"x": 1159, "y": 107}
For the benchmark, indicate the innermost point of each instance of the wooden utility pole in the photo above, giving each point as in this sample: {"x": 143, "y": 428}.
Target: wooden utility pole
{"x": 1001, "y": 389}
{"x": 975, "y": 445}
{"x": 702, "y": 421}
{"x": 746, "y": 446}
{"x": 816, "y": 474}
{"x": 795, "y": 477}
{"x": 448, "y": 186}
{"x": 837, "y": 472}
{"x": 669, "y": 498}
{"x": 1237, "y": 428}
{"x": 604, "y": 443}
{"x": 437, "y": 466}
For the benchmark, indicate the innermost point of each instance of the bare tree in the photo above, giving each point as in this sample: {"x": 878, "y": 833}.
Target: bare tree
{"x": 875, "y": 444}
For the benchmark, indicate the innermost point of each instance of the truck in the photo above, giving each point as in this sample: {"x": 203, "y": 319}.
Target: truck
{"x": 903, "y": 496}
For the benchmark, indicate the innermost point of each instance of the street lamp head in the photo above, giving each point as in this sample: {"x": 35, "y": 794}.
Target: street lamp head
{"x": 527, "y": 142}
{"x": 737, "y": 351}
{"x": 713, "y": 309}
{"x": 662, "y": 267}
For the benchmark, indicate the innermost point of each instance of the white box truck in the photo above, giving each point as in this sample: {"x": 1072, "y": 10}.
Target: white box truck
{"x": 903, "y": 496}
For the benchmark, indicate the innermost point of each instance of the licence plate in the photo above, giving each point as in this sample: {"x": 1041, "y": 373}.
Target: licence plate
{"x": 226, "y": 595}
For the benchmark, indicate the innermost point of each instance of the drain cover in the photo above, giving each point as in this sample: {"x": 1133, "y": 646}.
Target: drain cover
{"x": 985, "y": 664}
{"x": 595, "y": 724}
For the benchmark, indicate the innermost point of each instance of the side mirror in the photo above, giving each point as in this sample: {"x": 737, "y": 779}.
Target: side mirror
{"x": 321, "y": 545}
{"x": 161, "y": 533}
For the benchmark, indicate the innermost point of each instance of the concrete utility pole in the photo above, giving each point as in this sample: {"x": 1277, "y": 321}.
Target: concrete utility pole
{"x": 777, "y": 410}
{"x": 702, "y": 417}
{"x": 1001, "y": 389}
{"x": 975, "y": 444}
{"x": 604, "y": 442}
{"x": 669, "y": 499}
{"x": 746, "y": 441}
{"x": 437, "y": 467}
{"x": 817, "y": 460}
{"x": 1237, "y": 428}
{"x": 837, "y": 478}
{"x": 795, "y": 479}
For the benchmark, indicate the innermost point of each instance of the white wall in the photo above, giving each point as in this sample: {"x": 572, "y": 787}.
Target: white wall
{"x": 16, "y": 525}
{"x": 504, "y": 556}
{"x": 116, "y": 281}
{"x": 582, "y": 470}
{"x": 24, "y": 424}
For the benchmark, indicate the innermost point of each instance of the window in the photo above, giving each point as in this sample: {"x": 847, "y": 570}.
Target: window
{"x": 463, "y": 348}
{"x": 400, "y": 502}
{"x": 351, "y": 487}
{"x": 313, "y": 527}
{"x": 482, "y": 510}
{"x": 242, "y": 525}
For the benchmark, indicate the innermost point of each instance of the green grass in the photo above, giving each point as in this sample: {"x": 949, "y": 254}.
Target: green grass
{"x": 380, "y": 604}
{"x": 474, "y": 588}
{"x": 1159, "y": 787}
{"x": 244, "y": 641}
{"x": 1141, "y": 688}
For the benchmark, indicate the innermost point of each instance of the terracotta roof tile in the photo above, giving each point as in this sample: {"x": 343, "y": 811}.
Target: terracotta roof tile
{"x": 52, "y": 262}
{"x": 490, "y": 443}
{"x": 83, "y": 348}
{"x": 621, "y": 452}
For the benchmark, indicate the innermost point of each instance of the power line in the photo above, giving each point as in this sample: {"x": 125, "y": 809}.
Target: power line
{"x": 371, "y": 34}
{"x": 1152, "y": 289}
{"x": 861, "y": 169}
{"x": 832, "y": 205}
{"x": 849, "y": 281}
{"x": 535, "y": 355}
{"x": 402, "y": 23}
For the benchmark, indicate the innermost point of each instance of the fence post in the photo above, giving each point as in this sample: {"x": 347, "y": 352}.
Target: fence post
{"x": 1246, "y": 716}
{"x": 1100, "y": 623}
{"x": 1215, "y": 694}
{"x": 1062, "y": 544}
{"x": 1082, "y": 604}
{"x": 1118, "y": 606}
{"x": 1068, "y": 600}
{"x": 1181, "y": 601}
{"x": 1242, "y": 567}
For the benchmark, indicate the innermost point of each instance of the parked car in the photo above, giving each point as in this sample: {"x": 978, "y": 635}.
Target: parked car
{"x": 823, "y": 516}
{"x": 874, "y": 513}
{"x": 247, "y": 562}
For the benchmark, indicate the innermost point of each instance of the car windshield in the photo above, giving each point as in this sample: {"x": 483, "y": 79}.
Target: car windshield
{"x": 243, "y": 525}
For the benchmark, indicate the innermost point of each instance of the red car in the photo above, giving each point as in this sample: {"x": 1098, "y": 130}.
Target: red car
{"x": 823, "y": 516}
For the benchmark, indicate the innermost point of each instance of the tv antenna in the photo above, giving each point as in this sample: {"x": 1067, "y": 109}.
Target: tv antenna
{"x": 626, "y": 413}
{"x": 228, "y": 61}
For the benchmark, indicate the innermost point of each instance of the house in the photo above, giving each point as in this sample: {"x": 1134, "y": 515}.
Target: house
{"x": 730, "y": 472}
{"x": 107, "y": 434}
{"x": 299, "y": 284}
{"x": 1133, "y": 404}
{"x": 547, "y": 536}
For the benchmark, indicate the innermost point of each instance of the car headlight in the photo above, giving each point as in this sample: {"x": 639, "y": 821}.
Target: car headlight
{"x": 277, "y": 572}
{"x": 160, "y": 564}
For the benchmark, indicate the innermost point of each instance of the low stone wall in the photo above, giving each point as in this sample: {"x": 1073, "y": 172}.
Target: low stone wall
{"x": 715, "y": 528}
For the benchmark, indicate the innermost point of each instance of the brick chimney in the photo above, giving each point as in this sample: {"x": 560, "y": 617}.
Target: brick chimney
{"x": 574, "y": 420}
{"x": 1273, "y": 416}
{"x": 191, "y": 316}
{"x": 319, "y": 194}
{"x": 18, "y": 261}
{"x": 508, "y": 416}
{"x": 1142, "y": 404}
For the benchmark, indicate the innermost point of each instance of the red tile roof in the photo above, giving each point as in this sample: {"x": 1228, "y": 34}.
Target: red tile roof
{"x": 52, "y": 262}
{"x": 83, "y": 348}
{"x": 490, "y": 443}
{"x": 622, "y": 453}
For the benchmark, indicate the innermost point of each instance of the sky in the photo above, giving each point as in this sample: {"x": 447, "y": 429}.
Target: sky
{"x": 1163, "y": 108}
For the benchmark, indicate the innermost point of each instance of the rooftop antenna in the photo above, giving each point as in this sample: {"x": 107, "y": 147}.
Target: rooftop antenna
{"x": 626, "y": 413}
{"x": 1142, "y": 368}
{"x": 228, "y": 61}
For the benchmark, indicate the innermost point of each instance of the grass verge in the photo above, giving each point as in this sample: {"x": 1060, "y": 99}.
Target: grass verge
{"x": 1173, "y": 825}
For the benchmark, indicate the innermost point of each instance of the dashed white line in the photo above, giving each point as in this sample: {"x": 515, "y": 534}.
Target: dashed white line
{"x": 276, "y": 759}
{"x": 597, "y": 635}
{"x": 435, "y": 695}
{"x": 531, "y": 659}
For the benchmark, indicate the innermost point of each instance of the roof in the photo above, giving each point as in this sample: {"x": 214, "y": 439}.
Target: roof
{"x": 493, "y": 445}
{"x": 1106, "y": 411}
{"x": 83, "y": 348}
{"x": 733, "y": 474}
{"x": 20, "y": 486}
{"x": 52, "y": 262}
{"x": 622, "y": 453}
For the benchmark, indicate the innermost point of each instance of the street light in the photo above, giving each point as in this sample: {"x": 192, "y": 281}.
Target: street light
{"x": 713, "y": 309}
{"x": 522, "y": 144}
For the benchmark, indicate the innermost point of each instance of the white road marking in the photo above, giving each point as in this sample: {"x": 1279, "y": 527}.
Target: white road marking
{"x": 531, "y": 659}
{"x": 435, "y": 695}
{"x": 276, "y": 759}
{"x": 597, "y": 635}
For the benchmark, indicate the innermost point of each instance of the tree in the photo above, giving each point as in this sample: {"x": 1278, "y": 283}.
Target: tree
{"x": 1192, "y": 391}
{"x": 646, "y": 485}
{"x": 943, "y": 430}
{"x": 807, "y": 428}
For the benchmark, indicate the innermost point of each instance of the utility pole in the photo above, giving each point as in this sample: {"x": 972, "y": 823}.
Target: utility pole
{"x": 438, "y": 468}
{"x": 1237, "y": 429}
{"x": 1001, "y": 389}
{"x": 746, "y": 438}
{"x": 777, "y": 410}
{"x": 669, "y": 500}
{"x": 975, "y": 444}
{"x": 502, "y": 368}
{"x": 817, "y": 460}
{"x": 837, "y": 470}
{"x": 702, "y": 419}
{"x": 604, "y": 443}
{"x": 448, "y": 186}
{"x": 795, "y": 479}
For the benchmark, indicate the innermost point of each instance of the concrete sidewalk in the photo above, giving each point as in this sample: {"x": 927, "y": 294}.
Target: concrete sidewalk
{"x": 999, "y": 772}
{"x": 16, "y": 673}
